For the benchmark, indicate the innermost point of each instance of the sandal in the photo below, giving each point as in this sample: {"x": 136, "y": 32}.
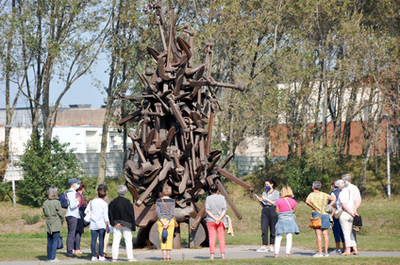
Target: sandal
{"x": 354, "y": 253}
{"x": 346, "y": 254}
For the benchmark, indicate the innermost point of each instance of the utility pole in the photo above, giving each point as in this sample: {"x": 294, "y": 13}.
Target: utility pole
{"x": 385, "y": 116}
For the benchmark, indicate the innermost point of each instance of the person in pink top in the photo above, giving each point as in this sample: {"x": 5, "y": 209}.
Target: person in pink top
{"x": 285, "y": 208}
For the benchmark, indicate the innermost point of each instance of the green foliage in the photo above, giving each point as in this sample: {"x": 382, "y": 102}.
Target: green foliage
{"x": 46, "y": 166}
{"x": 31, "y": 219}
{"x": 300, "y": 176}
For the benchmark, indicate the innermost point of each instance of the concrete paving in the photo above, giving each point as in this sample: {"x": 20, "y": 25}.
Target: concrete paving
{"x": 232, "y": 252}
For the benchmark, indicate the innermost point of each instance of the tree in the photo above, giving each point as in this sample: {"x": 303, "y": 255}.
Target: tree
{"x": 8, "y": 18}
{"x": 58, "y": 39}
{"x": 46, "y": 165}
{"x": 125, "y": 48}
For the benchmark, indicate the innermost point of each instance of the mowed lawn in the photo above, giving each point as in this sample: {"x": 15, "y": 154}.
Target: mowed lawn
{"x": 381, "y": 232}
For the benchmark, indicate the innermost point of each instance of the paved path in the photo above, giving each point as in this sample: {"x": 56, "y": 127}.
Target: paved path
{"x": 232, "y": 252}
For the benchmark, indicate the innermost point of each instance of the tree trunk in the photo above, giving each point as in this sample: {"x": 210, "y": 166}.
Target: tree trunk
{"x": 104, "y": 140}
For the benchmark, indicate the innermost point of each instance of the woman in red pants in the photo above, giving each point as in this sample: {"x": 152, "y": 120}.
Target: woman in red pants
{"x": 216, "y": 220}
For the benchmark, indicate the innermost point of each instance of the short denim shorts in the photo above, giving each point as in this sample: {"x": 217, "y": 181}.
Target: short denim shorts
{"x": 324, "y": 219}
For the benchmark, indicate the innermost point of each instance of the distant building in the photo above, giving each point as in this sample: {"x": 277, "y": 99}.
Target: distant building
{"x": 78, "y": 125}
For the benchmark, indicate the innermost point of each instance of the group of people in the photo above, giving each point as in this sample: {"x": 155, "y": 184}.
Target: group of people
{"x": 117, "y": 215}
{"x": 277, "y": 219}
{"x": 216, "y": 220}
{"x": 336, "y": 210}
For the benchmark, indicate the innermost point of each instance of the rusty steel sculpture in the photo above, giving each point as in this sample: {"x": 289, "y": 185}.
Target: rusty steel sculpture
{"x": 173, "y": 136}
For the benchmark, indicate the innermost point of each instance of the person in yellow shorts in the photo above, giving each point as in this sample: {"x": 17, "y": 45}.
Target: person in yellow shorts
{"x": 165, "y": 208}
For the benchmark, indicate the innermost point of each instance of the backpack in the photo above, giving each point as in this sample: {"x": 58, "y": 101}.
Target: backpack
{"x": 64, "y": 200}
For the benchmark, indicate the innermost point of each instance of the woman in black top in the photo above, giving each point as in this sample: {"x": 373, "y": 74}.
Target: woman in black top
{"x": 122, "y": 219}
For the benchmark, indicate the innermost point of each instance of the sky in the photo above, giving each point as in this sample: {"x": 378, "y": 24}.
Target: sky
{"x": 83, "y": 91}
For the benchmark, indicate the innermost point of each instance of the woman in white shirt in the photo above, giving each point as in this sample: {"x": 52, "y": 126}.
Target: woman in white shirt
{"x": 346, "y": 199}
{"x": 99, "y": 222}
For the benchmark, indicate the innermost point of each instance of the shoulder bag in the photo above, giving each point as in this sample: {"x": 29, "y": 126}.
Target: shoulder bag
{"x": 176, "y": 223}
{"x": 294, "y": 216}
{"x": 88, "y": 215}
{"x": 60, "y": 244}
{"x": 315, "y": 222}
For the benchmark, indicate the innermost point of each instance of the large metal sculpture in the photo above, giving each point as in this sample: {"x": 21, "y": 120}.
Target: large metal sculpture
{"x": 173, "y": 135}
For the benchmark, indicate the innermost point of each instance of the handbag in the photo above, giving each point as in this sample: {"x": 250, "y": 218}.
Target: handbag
{"x": 82, "y": 214}
{"x": 329, "y": 208}
{"x": 315, "y": 222}
{"x": 60, "y": 244}
{"x": 173, "y": 216}
{"x": 338, "y": 214}
{"x": 357, "y": 221}
{"x": 88, "y": 215}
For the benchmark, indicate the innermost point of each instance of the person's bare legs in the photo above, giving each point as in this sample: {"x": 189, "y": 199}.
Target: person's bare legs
{"x": 318, "y": 233}
{"x": 168, "y": 254}
{"x": 222, "y": 256}
{"x": 326, "y": 240}
{"x": 164, "y": 252}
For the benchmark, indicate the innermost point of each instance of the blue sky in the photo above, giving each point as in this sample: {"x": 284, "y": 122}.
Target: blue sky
{"x": 83, "y": 91}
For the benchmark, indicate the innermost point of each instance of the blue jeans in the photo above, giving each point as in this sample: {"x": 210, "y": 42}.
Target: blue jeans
{"x": 97, "y": 233}
{"x": 337, "y": 230}
{"x": 52, "y": 242}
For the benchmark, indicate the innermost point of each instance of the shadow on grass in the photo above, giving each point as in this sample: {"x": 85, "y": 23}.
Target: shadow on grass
{"x": 41, "y": 257}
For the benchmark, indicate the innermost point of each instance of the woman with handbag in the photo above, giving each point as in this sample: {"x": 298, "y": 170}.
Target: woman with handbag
{"x": 347, "y": 201}
{"x": 165, "y": 209}
{"x": 99, "y": 222}
{"x": 285, "y": 208}
{"x": 80, "y": 226}
{"x": 54, "y": 219}
{"x": 216, "y": 220}
{"x": 318, "y": 200}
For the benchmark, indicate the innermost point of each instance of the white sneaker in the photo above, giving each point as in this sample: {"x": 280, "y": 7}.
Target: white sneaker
{"x": 326, "y": 255}
{"x": 132, "y": 260}
{"x": 94, "y": 259}
{"x": 102, "y": 259}
{"x": 271, "y": 248}
{"x": 318, "y": 255}
{"x": 262, "y": 249}
{"x": 54, "y": 260}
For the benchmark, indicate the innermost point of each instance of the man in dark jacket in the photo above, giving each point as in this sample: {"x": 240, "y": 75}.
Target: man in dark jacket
{"x": 122, "y": 219}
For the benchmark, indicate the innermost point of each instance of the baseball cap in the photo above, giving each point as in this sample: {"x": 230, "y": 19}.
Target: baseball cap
{"x": 73, "y": 181}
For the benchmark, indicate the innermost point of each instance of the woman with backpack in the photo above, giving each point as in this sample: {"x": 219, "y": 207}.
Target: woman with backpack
{"x": 80, "y": 227}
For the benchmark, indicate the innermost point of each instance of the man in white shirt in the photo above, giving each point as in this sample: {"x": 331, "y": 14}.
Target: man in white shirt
{"x": 72, "y": 215}
{"x": 356, "y": 195}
